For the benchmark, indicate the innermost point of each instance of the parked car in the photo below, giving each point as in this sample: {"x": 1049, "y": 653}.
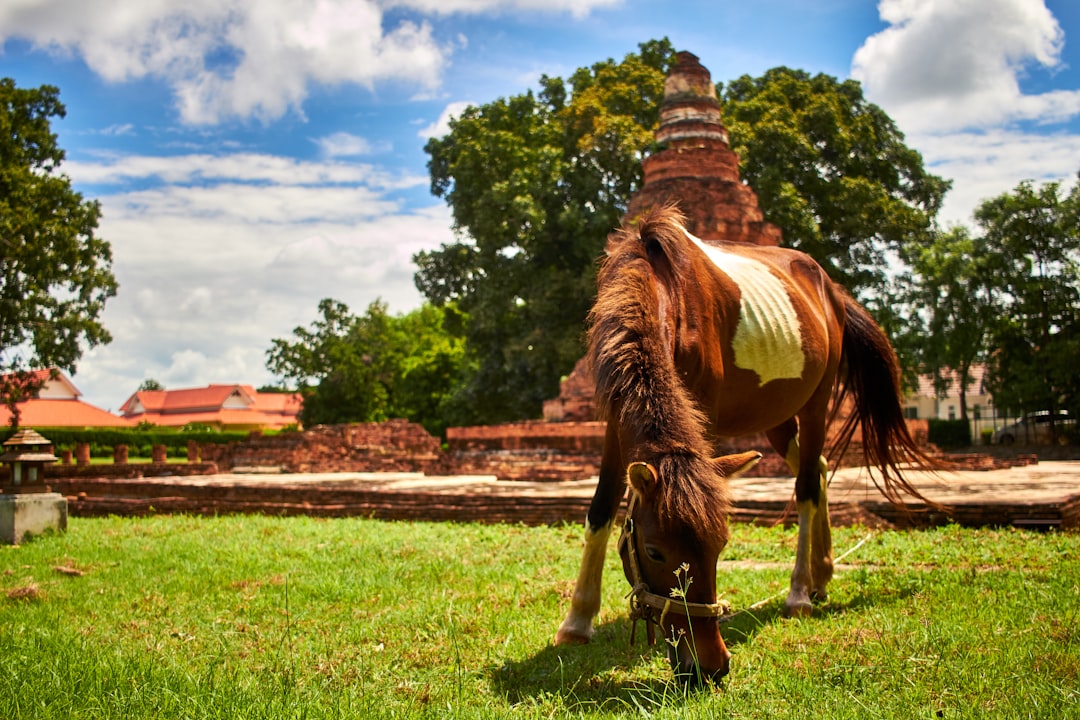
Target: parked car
{"x": 1034, "y": 429}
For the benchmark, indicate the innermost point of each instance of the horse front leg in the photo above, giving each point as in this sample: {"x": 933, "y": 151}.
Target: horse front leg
{"x": 585, "y": 602}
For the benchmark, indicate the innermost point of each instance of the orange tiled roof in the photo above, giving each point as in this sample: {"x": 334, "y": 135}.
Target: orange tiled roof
{"x": 222, "y": 405}
{"x": 62, "y": 413}
{"x": 221, "y": 418}
{"x": 187, "y": 399}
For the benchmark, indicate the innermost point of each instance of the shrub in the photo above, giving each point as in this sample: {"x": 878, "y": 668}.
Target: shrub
{"x": 949, "y": 433}
{"x": 140, "y": 441}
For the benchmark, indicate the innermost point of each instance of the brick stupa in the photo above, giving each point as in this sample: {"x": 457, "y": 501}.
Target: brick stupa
{"x": 696, "y": 170}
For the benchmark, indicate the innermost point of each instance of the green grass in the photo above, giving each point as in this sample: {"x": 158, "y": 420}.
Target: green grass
{"x": 256, "y": 617}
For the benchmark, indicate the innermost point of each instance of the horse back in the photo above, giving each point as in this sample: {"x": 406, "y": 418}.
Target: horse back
{"x": 753, "y": 331}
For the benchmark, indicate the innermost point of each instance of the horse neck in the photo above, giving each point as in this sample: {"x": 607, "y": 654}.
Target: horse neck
{"x": 632, "y": 353}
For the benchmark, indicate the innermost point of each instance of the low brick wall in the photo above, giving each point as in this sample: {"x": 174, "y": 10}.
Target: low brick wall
{"x": 58, "y": 471}
{"x": 540, "y": 450}
{"x": 572, "y": 437}
{"x": 534, "y": 451}
{"x": 393, "y": 446}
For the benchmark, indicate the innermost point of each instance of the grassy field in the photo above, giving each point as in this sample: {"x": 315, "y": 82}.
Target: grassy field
{"x": 255, "y": 617}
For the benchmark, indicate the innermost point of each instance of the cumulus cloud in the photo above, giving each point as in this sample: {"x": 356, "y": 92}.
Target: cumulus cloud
{"x": 256, "y": 168}
{"x": 989, "y": 163}
{"x": 441, "y": 127}
{"x": 228, "y": 59}
{"x": 216, "y": 256}
{"x": 233, "y": 58}
{"x": 577, "y": 8}
{"x": 954, "y": 64}
{"x": 343, "y": 144}
{"x": 951, "y": 73}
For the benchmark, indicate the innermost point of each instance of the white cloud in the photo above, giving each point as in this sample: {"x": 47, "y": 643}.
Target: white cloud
{"x": 577, "y": 8}
{"x": 989, "y": 163}
{"x": 950, "y": 73}
{"x": 228, "y": 59}
{"x": 119, "y": 130}
{"x": 955, "y": 64}
{"x": 343, "y": 144}
{"x": 221, "y": 255}
{"x": 441, "y": 127}
{"x": 233, "y": 58}
{"x": 234, "y": 167}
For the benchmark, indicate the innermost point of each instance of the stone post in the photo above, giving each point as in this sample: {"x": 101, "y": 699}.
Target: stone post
{"x": 192, "y": 451}
{"x": 120, "y": 454}
{"x": 158, "y": 454}
{"x": 65, "y": 457}
{"x": 27, "y": 505}
{"x": 82, "y": 453}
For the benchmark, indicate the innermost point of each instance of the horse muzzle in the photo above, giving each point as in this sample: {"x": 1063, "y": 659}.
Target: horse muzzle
{"x": 695, "y": 664}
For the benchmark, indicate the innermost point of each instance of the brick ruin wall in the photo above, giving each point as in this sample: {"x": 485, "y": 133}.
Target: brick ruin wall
{"x": 393, "y": 446}
{"x": 531, "y": 451}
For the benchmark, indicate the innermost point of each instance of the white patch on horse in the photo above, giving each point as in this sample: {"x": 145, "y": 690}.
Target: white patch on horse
{"x": 767, "y": 338}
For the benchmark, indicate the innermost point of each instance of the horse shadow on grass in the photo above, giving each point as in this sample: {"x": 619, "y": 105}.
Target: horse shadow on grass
{"x": 609, "y": 670}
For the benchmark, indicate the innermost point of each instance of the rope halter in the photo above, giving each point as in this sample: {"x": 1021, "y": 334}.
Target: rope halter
{"x": 647, "y": 605}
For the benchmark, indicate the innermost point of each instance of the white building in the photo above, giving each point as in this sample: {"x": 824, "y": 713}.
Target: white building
{"x": 925, "y": 403}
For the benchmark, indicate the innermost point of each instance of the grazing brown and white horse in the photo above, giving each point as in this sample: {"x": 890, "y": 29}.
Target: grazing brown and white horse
{"x": 692, "y": 341}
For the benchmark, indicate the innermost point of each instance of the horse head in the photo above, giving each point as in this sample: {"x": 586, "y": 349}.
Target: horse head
{"x": 674, "y": 531}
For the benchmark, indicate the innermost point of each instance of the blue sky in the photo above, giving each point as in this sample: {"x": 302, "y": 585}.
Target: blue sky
{"x": 252, "y": 158}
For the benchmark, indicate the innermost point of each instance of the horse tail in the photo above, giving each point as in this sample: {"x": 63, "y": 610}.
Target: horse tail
{"x": 870, "y": 376}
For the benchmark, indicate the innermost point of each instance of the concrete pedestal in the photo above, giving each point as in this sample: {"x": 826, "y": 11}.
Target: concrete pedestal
{"x": 31, "y": 513}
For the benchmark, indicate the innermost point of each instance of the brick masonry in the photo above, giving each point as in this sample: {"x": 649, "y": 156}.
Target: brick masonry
{"x": 393, "y": 446}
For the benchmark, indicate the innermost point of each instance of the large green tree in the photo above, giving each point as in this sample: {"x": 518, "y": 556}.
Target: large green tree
{"x": 535, "y": 183}
{"x": 952, "y": 297}
{"x": 1032, "y": 236}
{"x": 373, "y": 367}
{"x": 832, "y": 170}
{"x": 55, "y": 274}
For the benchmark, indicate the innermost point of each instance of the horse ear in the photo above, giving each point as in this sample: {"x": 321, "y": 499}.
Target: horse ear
{"x": 732, "y": 466}
{"x": 642, "y": 477}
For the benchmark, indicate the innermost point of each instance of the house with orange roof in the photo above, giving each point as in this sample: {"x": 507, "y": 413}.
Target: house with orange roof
{"x": 57, "y": 404}
{"x": 224, "y": 407}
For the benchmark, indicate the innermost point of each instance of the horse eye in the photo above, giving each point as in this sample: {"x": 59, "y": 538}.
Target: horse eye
{"x": 654, "y": 554}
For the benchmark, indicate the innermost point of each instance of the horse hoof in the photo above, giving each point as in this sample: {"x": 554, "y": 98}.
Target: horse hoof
{"x": 798, "y": 609}
{"x": 569, "y": 637}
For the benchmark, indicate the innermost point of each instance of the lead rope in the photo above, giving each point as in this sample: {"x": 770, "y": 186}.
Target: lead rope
{"x": 762, "y": 603}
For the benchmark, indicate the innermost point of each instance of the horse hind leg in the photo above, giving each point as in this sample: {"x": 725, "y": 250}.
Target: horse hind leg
{"x": 785, "y": 440}
{"x": 821, "y": 552}
{"x": 813, "y": 554}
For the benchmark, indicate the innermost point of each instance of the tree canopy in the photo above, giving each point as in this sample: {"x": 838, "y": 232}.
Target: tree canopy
{"x": 1007, "y": 294}
{"x": 55, "y": 274}
{"x": 537, "y": 181}
{"x": 1032, "y": 240}
{"x": 951, "y": 297}
{"x": 372, "y": 367}
{"x": 832, "y": 170}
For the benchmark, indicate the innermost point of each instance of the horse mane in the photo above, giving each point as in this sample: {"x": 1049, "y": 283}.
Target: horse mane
{"x": 637, "y": 384}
